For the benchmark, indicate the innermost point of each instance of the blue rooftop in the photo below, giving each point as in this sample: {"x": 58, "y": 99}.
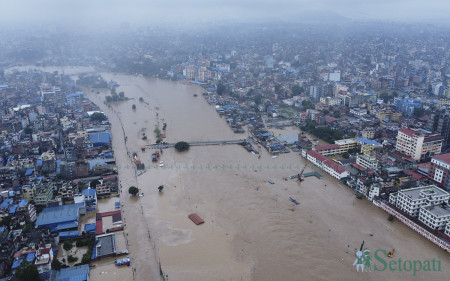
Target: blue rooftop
{"x": 30, "y": 256}
{"x": 89, "y": 192}
{"x": 68, "y": 234}
{"x": 367, "y": 141}
{"x": 29, "y": 172}
{"x": 62, "y": 216}
{"x": 16, "y": 264}
{"x": 6, "y": 203}
{"x": 23, "y": 202}
{"x": 74, "y": 273}
{"x": 68, "y": 96}
{"x": 12, "y": 209}
{"x": 99, "y": 139}
{"x": 89, "y": 227}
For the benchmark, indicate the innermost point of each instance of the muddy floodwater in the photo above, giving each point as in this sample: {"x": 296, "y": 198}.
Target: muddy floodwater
{"x": 252, "y": 231}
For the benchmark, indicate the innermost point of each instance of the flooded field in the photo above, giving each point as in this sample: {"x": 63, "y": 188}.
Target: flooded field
{"x": 252, "y": 231}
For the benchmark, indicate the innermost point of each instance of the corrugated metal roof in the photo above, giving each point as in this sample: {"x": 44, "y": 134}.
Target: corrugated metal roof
{"x": 59, "y": 214}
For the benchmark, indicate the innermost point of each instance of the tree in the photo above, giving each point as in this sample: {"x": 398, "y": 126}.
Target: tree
{"x": 181, "y": 146}
{"x": 56, "y": 264}
{"x": 337, "y": 114}
{"x": 6, "y": 221}
{"x": 277, "y": 88}
{"x": 141, "y": 99}
{"x": 67, "y": 245}
{"x": 108, "y": 99}
{"x": 28, "y": 130}
{"x": 72, "y": 259}
{"x": 418, "y": 112}
{"x": 297, "y": 90}
{"x": 27, "y": 272}
{"x": 133, "y": 190}
{"x": 220, "y": 88}
{"x": 94, "y": 183}
{"x": 346, "y": 155}
{"x": 121, "y": 95}
{"x": 98, "y": 116}
{"x": 133, "y": 107}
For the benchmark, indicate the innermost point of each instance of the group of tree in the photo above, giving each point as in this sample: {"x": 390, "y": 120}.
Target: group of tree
{"x": 182, "y": 146}
{"x": 327, "y": 134}
{"x": 27, "y": 271}
{"x": 157, "y": 132}
{"x": 98, "y": 116}
{"x": 92, "y": 80}
{"x": 307, "y": 104}
{"x": 221, "y": 88}
{"x": 116, "y": 96}
{"x": 297, "y": 90}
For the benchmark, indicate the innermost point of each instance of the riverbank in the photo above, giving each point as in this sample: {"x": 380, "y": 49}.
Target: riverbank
{"x": 252, "y": 231}
{"x": 251, "y": 228}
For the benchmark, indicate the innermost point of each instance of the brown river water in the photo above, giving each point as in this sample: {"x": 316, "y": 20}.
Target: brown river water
{"x": 252, "y": 231}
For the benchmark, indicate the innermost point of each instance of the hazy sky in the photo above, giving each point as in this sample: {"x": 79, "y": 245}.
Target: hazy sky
{"x": 110, "y": 11}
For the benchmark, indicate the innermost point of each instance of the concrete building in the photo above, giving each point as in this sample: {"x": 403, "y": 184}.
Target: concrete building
{"x": 44, "y": 258}
{"x": 411, "y": 200}
{"x": 439, "y": 170}
{"x": 329, "y": 166}
{"x": 418, "y": 144}
{"x": 367, "y": 146}
{"x": 390, "y": 114}
{"x": 330, "y": 101}
{"x": 346, "y": 144}
{"x": 368, "y": 133}
{"x": 440, "y": 123}
{"x": 329, "y": 149}
{"x": 61, "y": 217}
{"x": 367, "y": 161}
{"x": 78, "y": 273}
{"x": 44, "y": 194}
{"x": 434, "y": 217}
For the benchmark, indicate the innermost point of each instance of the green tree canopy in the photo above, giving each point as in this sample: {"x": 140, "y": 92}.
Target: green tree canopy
{"x": 27, "y": 272}
{"x": 181, "y": 146}
{"x": 94, "y": 183}
{"x": 133, "y": 190}
{"x": 220, "y": 89}
{"x": 98, "y": 116}
{"x": 297, "y": 90}
{"x": 67, "y": 245}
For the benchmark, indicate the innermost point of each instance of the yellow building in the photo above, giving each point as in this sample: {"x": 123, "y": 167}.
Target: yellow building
{"x": 390, "y": 114}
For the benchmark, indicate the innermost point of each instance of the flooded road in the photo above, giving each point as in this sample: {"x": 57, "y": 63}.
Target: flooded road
{"x": 252, "y": 231}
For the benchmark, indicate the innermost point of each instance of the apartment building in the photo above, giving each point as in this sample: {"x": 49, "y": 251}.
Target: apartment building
{"x": 435, "y": 217}
{"x": 411, "y": 200}
{"x": 346, "y": 144}
{"x": 440, "y": 170}
{"x": 367, "y": 146}
{"x": 390, "y": 114}
{"x": 339, "y": 147}
{"x": 418, "y": 144}
{"x": 334, "y": 169}
{"x": 366, "y": 161}
{"x": 368, "y": 133}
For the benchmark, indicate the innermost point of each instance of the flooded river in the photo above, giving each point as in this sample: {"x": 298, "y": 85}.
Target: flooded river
{"x": 252, "y": 231}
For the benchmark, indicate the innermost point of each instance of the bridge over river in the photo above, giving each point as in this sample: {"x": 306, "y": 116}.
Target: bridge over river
{"x": 201, "y": 143}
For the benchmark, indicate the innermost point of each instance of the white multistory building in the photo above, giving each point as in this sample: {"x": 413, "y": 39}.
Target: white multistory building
{"x": 412, "y": 200}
